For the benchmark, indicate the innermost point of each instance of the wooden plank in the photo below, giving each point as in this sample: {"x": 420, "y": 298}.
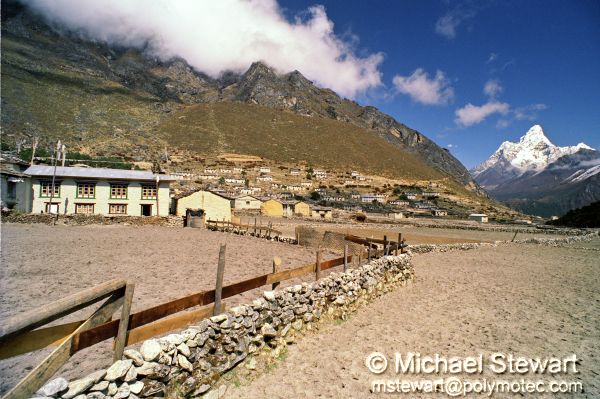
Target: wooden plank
{"x": 291, "y": 273}
{"x": 121, "y": 337}
{"x": 36, "y": 339}
{"x": 54, "y": 361}
{"x": 219, "y": 283}
{"x": 164, "y": 326}
{"x": 34, "y": 318}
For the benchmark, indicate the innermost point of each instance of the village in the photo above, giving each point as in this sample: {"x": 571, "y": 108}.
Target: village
{"x": 224, "y": 189}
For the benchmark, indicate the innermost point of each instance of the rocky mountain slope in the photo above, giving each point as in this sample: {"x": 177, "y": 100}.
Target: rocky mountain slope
{"x": 118, "y": 101}
{"x": 538, "y": 177}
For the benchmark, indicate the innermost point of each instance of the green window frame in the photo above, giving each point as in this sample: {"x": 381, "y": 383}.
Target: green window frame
{"x": 149, "y": 191}
{"x": 86, "y": 190}
{"x": 46, "y": 189}
{"x": 119, "y": 191}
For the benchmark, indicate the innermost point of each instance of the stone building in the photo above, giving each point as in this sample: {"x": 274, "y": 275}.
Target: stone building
{"x": 210, "y": 205}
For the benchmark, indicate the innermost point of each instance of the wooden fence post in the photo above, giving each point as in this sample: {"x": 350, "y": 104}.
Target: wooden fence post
{"x": 515, "y": 236}
{"x": 345, "y": 257}
{"x": 385, "y": 244}
{"x": 121, "y": 337}
{"x": 369, "y": 253}
{"x": 219, "y": 285}
{"x": 276, "y": 268}
{"x": 318, "y": 265}
{"x": 400, "y": 241}
{"x": 254, "y": 227}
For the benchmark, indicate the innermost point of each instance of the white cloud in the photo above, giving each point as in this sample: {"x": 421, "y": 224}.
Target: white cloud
{"x": 502, "y": 124}
{"x": 492, "y": 57}
{"x": 420, "y": 88}
{"x": 449, "y": 23}
{"x": 216, "y": 36}
{"x": 492, "y": 88}
{"x": 528, "y": 112}
{"x": 473, "y": 114}
{"x": 452, "y": 146}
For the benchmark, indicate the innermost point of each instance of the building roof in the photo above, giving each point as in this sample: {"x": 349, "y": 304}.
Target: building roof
{"x": 95, "y": 173}
{"x": 477, "y": 214}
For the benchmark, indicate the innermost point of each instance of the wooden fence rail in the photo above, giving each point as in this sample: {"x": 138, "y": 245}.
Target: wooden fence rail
{"x": 245, "y": 228}
{"x": 19, "y": 335}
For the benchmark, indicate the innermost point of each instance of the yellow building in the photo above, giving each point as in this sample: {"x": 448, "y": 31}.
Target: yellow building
{"x": 212, "y": 205}
{"x": 272, "y": 207}
{"x": 302, "y": 209}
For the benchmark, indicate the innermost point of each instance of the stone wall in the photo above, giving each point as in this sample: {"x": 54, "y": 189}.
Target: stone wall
{"x": 81, "y": 220}
{"x": 191, "y": 362}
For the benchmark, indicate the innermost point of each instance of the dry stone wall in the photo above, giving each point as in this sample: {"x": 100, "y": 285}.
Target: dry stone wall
{"x": 189, "y": 363}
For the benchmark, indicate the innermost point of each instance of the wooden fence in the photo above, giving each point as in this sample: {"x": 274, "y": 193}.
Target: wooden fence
{"x": 240, "y": 228}
{"x": 21, "y": 334}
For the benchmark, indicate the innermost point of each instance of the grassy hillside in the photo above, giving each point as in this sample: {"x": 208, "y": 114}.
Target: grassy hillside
{"x": 284, "y": 136}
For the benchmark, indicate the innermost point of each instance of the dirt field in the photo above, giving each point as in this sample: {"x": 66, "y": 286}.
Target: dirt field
{"x": 413, "y": 234}
{"x": 527, "y": 300}
{"x": 41, "y": 263}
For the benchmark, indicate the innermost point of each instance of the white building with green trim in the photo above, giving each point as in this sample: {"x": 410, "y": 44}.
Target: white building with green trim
{"x": 99, "y": 191}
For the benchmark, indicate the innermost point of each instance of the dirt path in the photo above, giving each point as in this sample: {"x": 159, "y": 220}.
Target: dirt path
{"x": 527, "y": 300}
{"x": 41, "y": 263}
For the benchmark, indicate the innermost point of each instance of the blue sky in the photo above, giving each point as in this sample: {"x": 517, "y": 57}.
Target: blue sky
{"x": 541, "y": 60}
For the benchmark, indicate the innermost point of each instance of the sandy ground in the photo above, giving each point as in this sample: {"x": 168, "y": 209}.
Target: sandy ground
{"x": 527, "y": 300}
{"x": 42, "y": 263}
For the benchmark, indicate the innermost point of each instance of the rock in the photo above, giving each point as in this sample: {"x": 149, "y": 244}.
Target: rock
{"x": 112, "y": 389}
{"x": 136, "y": 387}
{"x": 53, "y": 387}
{"x": 135, "y": 356}
{"x": 78, "y": 386}
{"x": 297, "y": 325}
{"x": 268, "y": 331}
{"x": 152, "y": 387}
{"x": 118, "y": 370}
{"x": 184, "y": 363}
{"x": 153, "y": 370}
{"x": 216, "y": 393}
{"x": 97, "y": 376}
{"x": 131, "y": 374}
{"x": 251, "y": 365}
{"x": 200, "y": 390}
{"x": 123, "y": 391}
{"x": 175, "y": 339}
{"x": 101, "y": 386}
{"x": 150, "y": 350}
{"x": 184, "y": 350}
{"x": 95, "y": 395}
{"x": 219, "y": 318}
{"x": 269, "y": 295}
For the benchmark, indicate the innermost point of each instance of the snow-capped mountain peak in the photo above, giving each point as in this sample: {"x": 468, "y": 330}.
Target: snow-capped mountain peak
{"x": 533, "y": 153}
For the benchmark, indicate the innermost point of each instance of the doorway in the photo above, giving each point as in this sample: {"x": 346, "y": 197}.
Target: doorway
{"x": 147, "y": 210}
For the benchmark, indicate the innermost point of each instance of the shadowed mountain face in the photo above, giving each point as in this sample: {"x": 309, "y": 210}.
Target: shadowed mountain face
{"x": 534, "y": 176}
{"x": 118, "y": 101}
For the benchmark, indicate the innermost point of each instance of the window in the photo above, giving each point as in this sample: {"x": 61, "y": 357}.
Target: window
{"x": 118, "y": 191}
{"x": 46, "y": 189}
{"x": 148, "y": 191}
{"x": 86, "y": 209}
{"x": 117, "y": 209}
{"x": 86, "y": 190}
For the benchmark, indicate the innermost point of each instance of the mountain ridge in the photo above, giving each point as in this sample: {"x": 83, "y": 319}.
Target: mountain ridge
{"x": 536, "y": 176}
{"x": 113, "y": 101}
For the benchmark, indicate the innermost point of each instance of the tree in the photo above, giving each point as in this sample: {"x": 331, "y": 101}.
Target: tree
{"x": 221, "y": 181}
{"x": 315, "y": 196}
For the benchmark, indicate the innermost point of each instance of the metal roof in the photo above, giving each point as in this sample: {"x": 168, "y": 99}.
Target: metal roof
{"x": 95, "y": 173}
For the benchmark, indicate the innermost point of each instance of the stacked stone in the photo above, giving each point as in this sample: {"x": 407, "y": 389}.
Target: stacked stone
{"x": 189, "y": 363}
